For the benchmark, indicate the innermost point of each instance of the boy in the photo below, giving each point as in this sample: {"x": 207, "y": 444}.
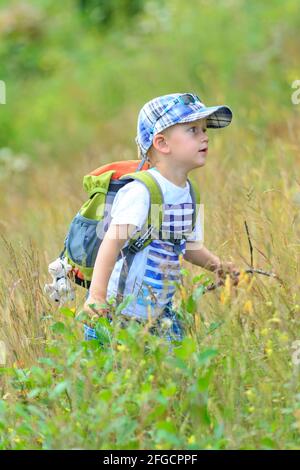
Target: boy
{"x": 171, "y": 135}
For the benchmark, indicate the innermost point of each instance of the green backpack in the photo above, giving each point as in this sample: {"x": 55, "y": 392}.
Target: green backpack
{"x": 89, "y": 225}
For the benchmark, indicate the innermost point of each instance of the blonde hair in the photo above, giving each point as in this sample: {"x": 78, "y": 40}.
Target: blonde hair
{"x": 139, "y": 152}
{"x": 141, "y": 156}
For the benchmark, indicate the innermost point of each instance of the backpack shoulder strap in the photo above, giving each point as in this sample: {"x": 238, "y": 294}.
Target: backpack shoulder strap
{"x": 155, "y": 215}
{"x": 154, "y": 221}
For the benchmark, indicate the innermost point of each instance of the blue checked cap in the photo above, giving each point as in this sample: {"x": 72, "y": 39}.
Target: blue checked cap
{"x": 167, "y": 110}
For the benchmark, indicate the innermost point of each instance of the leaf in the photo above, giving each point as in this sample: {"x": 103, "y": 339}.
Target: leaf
{"x": 59, "y": 327}
{"x": 34, "y": 393}
{"x": 169, "y": 390}
{"x": 124, "y": 304}
{"x": 188, "y": 346}
{"x": 59, "y": 389}
{"x": 67, "y": 312}
{"x": 203, "y": 382}
{"x": 46, "y": 360}
{"x": 191, "y": 304}
{"x": 72, "y": 358}
{"x": 198, "y": 278}
{"x": 105, "y": 395}
{"x": 34, "y": 410}
{"x": 198, "y": 292}
{"x": 205, "y": 356}
{"x": 82, "y": 316}
{"x": 103, "y": 330}
{"x": 167, "y": 426}
{"x": 214, "y": 326}
{"x": 268, "y": 443}
{"x": 184, "y": 272}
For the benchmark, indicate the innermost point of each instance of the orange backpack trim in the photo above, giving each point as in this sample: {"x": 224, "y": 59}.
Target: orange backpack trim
{"x": 121, "y": 168}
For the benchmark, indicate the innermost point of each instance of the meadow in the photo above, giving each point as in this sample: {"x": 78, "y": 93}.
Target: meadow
{"x": 75, "y": 81}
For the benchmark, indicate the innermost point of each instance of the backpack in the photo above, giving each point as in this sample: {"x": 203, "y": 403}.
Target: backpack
{"x": 89, "y": 225}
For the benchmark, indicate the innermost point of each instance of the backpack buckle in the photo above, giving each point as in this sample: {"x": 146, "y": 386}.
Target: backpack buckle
{"x": 136, "y": 246}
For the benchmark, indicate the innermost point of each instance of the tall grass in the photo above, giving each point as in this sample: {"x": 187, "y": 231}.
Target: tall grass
{"x": 233, "y": 383}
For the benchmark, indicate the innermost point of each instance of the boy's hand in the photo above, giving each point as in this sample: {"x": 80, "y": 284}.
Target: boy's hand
{"x": 227, "y": 267}
{"x": 95, "y": 309}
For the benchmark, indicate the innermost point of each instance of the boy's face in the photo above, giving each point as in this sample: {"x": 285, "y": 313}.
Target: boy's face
{"x": 187, "y": 144}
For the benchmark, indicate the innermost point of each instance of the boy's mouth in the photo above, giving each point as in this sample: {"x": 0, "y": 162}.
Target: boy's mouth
{"x": 204, "y": 149}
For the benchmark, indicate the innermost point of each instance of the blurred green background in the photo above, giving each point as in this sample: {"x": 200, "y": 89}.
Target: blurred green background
{"x": 78, "y": 72}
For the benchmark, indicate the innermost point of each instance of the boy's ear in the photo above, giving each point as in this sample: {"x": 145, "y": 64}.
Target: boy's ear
{"x": 160, "y": 143}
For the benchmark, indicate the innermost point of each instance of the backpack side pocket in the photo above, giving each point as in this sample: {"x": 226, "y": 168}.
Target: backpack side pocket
{"x": 86, "y": 231}
{"x": 83, "y": 242}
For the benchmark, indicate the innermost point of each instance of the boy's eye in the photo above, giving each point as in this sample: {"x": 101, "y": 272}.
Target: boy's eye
{"x": 194, "y": 127}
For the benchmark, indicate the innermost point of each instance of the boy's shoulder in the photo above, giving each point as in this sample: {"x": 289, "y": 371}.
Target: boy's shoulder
{"x": 138, "y": 187}
{"x": 134, "y": 187}
{"x": 132, "y": 194}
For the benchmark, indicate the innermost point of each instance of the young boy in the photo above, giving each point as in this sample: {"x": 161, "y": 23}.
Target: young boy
{"x": 171, "y": 135}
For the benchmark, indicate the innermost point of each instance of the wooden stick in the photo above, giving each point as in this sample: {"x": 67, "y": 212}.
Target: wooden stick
{"x": 250, "y": 244}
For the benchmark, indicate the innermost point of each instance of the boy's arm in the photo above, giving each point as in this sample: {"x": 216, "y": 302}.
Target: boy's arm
{"x": 131, "y": 204}
{"x": 114, "y": 239}
{"x": 201, "y": 256}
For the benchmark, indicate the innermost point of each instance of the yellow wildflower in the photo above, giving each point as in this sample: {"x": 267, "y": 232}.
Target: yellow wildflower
{"x": 243, "y": 278}
{"x": 250, "y": 394}
{"x": 180, "y": 259}
{"x": 226, "y": 291}
{"x": 110, "y": 377}
{"x": 269, "y": 349}
{"x": 248, "y": 307}
{"x": 283, "y": 337}
{"x": 191, "y": 440}
{"x": 274, "y": 320}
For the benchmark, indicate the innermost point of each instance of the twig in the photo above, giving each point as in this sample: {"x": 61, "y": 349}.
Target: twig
{"x": 250, "y": 244}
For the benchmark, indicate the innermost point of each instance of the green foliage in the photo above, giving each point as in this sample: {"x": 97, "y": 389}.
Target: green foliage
{"x": 93, "y": 396}
{"x": 72, "y": 77}
{"x": 109, "y": 13}
{"x": 76, "y": 75}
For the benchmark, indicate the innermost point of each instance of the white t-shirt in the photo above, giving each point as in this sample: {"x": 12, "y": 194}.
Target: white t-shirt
{"x": 155, "y": 269}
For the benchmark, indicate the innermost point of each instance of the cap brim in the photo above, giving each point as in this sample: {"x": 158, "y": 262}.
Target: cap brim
{"x": 217, "y": 116}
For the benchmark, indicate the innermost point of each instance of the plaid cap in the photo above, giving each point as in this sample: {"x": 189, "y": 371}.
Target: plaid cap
{"x": 153, "y": 117}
